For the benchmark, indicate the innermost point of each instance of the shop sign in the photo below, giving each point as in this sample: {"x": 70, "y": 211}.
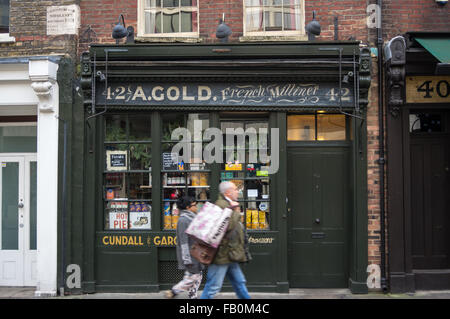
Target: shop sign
{"x": 223, "y": 94}
{"x": 139, "y": 240}
{"x": 158, "y": 240}
{"x": 428, "y": 89}
{"x": 116, "y": 160}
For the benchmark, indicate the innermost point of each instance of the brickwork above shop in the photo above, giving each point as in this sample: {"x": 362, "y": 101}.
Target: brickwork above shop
{"x": 28, "y": 28}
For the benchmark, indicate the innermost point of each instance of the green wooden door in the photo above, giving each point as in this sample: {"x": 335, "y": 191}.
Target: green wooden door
{"x": 318, "y": 192}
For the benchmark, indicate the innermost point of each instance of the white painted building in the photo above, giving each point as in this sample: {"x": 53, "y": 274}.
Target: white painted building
{"x": 29, "y": 108}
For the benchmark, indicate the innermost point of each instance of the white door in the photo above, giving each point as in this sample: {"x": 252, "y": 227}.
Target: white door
{"x": 18, "y": 220}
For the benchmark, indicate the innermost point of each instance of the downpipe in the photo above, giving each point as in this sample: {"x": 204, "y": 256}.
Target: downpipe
{"x": 381, "y": 160}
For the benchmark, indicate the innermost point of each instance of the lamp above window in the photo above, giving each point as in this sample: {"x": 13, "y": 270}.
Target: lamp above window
{"x": 442, "y": 2}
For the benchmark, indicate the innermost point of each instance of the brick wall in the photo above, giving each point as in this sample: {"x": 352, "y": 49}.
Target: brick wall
{"x": 28, "y": 24}
{"x": 400, "y": 16}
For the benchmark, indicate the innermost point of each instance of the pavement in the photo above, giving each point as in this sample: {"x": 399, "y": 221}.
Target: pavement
{"x": 29, "y": 293}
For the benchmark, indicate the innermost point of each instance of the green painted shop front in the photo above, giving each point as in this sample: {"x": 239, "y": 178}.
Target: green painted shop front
{"x": 307, "y": 222}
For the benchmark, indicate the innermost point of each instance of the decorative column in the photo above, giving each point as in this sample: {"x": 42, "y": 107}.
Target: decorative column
{"x": 43, "y": 74}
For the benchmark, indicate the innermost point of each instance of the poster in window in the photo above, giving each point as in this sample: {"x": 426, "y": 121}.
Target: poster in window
{"x": 116, "y": 160}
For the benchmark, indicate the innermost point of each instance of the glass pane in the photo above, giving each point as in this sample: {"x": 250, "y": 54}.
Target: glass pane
{"x": 33, "y": 205}
{"x": 139, "y": 186}
{"x": 10, "y": 197}
{"x": 171, "y": 22}
{"x": 4, "y": 16}
{"x": 171, "y": 121}
{"x": 150, "y": 22}
{"x": 140, "y": 156}
{"x": 158, "y": 22}
{"x": 187, "y": 19}
{"x": 15, "y": 139}
{"x": 272, "y": 2}
{"x": 115, "y": 128}
{"x": 152, "y": 3}
{"x": 140, "y": 128}
{"x": 257, "y": 215}
{"x": 189, "y": 3}
{"x": 140, "y": 215}
{"x": 170, "y": 3}
{"x": 115, "y": 186}
{"x": 291, "y": 18}
{"x": 273, "y": 20}
{"x": 425, "y": 122}
{"x": 254, "y": 19}
{"x": 116, "y": 215}
{"x": 330, "y": 127}
{"x": 301, "y": 128}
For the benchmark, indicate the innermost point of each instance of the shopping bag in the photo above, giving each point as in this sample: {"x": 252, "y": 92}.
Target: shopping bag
{"x": 210, "y": 224}
{"x": 203, "y": 253}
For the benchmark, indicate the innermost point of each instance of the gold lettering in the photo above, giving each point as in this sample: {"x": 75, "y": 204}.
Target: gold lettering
{"x": 157, "y": 240}
{"x": 201, "y": 90}
{"x": 118, "y": 240}
{"x": 104, "y": 240}
{"x": 185, "y": 95}
{"x": 139, "y": 93}
{"x": 140, "y": 241}
{"x": 170, "y": 240}
{"x": 160, "y": 97}
{"x": 131, "y": 241}
{"x": 164, "y": 241}
{"x": 124, "y": 240}
{"x": 173, "y": 97}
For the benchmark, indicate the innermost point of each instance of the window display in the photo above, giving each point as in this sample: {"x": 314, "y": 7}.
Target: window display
{"x": 251, "y": 178}
{"x": 178, "y": 178}
{"x": 128, "y": 172}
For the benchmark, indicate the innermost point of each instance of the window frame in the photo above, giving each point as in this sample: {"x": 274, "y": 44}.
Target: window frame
{"x": 282, "y": 33}
{"x": 141, "y": 25}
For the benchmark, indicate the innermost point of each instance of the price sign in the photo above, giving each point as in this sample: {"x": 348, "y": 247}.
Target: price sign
{"x": 428, "y": 89}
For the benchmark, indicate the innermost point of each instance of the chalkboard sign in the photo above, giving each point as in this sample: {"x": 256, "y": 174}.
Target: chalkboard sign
{"x": 169, "y": 161}
{"x": 116, "y": 160}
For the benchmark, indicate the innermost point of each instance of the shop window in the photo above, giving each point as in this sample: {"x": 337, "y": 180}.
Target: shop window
{"x": 249, "y": 175}
{"x": 316, "y": 127}
{"x": 273, "y": 17}
{"x": 180, "y": 178}
{"x": 169, "y": 18}
{"x": 127, "y": 175}
{"x": 424, "y": 122}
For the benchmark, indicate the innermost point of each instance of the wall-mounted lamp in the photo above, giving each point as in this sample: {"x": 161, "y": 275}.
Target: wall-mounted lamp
{"x": 313, "y": 28}
{"x": 119, "y": 31}
{"x": 442, "y": 2}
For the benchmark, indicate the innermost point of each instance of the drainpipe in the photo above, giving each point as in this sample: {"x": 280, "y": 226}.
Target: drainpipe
{"x": 381, "y": 160}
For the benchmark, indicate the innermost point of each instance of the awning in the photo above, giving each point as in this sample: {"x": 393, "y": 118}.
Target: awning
{"x": 438, "y": 47}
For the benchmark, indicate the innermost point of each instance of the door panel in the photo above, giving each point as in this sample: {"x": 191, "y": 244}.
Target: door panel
{"x": 318, "y": 209}
{"x": 18, "y": 220}
{"x": 11, "y": 190}
{"x": 429, "y": 211}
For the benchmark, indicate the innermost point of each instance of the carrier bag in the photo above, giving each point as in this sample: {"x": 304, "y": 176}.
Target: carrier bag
{"x": 210, "y": 224}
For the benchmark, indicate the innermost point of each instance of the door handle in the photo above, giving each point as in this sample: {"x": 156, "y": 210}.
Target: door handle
{"x": 20, "y": 205}
{"x": 317, "y": 221}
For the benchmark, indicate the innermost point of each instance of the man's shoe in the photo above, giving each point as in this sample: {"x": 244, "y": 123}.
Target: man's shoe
{"x": 169, "y": 294}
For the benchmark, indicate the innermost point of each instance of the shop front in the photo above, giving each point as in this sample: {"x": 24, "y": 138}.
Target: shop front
{"x": 418, "y": 123}
{"x": 284, "y": 122}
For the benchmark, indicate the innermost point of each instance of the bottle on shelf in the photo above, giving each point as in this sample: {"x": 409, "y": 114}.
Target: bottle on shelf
{"x": 167, "y": 216}
{"x": 175, "y": 215}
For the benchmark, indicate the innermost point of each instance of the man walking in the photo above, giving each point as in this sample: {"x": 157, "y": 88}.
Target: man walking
{"x": 231, "y": 251}
{"x": 192, "y": 267}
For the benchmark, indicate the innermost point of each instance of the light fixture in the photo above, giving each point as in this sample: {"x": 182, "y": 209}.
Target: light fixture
{"x": 442, "y": 2}
{"x": 120, "y": 31}
{"x": 313, "y": 28}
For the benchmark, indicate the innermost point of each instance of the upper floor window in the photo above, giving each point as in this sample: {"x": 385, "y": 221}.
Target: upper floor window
{"x": 273, "y": 17}
{"x": 168, "y": 18}
{"x": 4, "y": 16}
